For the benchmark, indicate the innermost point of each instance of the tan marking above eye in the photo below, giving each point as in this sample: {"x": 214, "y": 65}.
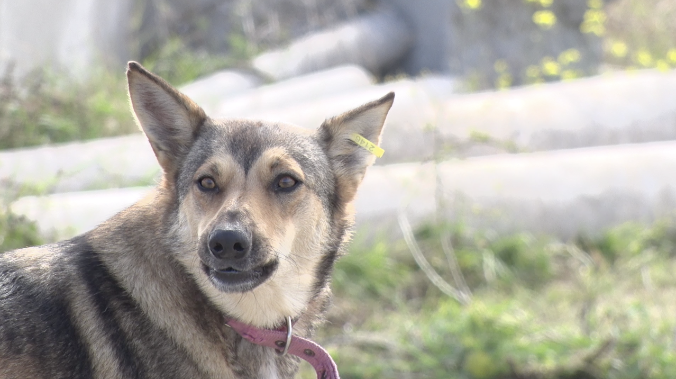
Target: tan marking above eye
{"x": 207, "y": 183}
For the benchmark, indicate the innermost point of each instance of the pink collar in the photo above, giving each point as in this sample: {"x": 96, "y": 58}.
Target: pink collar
{"x": 284, "y": 339}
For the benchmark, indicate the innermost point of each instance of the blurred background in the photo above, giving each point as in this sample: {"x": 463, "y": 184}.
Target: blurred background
{"x": 521, "y": 222}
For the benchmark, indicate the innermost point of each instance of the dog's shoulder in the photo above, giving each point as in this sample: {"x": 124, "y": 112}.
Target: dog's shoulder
{"x": 44, "y": 275}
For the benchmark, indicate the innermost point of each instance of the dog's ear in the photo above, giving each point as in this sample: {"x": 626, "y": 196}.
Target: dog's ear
{"x": 348, "y": 159}
{"x": 169, "y": 119}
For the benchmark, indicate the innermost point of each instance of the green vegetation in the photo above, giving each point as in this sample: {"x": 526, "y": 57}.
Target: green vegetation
{"x": 51, "y": 107}
{"x": 17, "y": 232}
{"x": 540, "y": 308}
{"x": 46, "y": 107}
{"x": 635, "y": 34}
{"x": 177, "y": 64}
{"x": 641, "y": 34}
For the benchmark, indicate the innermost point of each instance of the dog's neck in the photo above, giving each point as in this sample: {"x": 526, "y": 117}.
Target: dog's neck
{"x": 285, "y": 341}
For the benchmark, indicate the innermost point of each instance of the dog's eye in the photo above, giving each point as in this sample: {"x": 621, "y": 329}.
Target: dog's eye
{"x": 286, "y": 183}
{"x": 207, "y": 184}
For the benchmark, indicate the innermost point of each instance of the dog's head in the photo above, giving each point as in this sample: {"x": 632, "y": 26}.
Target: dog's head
{"x": 262, "y": 209}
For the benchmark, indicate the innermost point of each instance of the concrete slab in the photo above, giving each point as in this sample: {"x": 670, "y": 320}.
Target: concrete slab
{"x": 105, "y": 163}
{"x": 409, "y": 133}
{"x": 211, "y": 90}
{"x": 427, "y": 119}
{"x": 300, "y": 89}
{"x": 64, "y": 215}
{"x": 562, "y": 193}
{"x": 374, "y": 41}
{"x": 616, "y": 108}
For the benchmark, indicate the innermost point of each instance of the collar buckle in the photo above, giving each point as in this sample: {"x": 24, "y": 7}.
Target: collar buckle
{"x": 302, "y": 348}
{"x": 289, "y": 335}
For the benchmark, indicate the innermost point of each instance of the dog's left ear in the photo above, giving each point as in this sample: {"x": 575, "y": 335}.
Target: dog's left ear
{"x": 169, "y": 119}
{"x": 350, "y": 160}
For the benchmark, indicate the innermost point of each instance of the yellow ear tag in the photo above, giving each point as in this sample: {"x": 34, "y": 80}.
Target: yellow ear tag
{"x": 368, "y": 145}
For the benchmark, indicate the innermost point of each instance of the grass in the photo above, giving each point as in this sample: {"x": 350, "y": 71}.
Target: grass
{"x": 595, "y": 308}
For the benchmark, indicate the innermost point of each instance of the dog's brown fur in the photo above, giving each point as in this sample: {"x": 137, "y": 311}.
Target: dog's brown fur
{"x": 145, "y": 294}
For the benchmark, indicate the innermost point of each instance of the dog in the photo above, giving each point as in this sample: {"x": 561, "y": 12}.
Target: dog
{"x": 245, "y": 224}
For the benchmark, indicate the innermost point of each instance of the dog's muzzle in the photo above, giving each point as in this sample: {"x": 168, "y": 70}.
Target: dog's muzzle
{"x": 231, "y": 264}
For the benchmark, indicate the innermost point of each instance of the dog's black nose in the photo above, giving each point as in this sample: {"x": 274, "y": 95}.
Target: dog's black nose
{"x": 229, "y": 244}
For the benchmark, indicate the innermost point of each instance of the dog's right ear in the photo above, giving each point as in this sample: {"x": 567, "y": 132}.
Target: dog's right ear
{"x": 350, "y": 160}
{"x": 169, "y": 119}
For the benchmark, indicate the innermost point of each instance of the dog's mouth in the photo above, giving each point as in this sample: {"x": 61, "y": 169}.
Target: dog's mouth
{"x": 231, "y": 279}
